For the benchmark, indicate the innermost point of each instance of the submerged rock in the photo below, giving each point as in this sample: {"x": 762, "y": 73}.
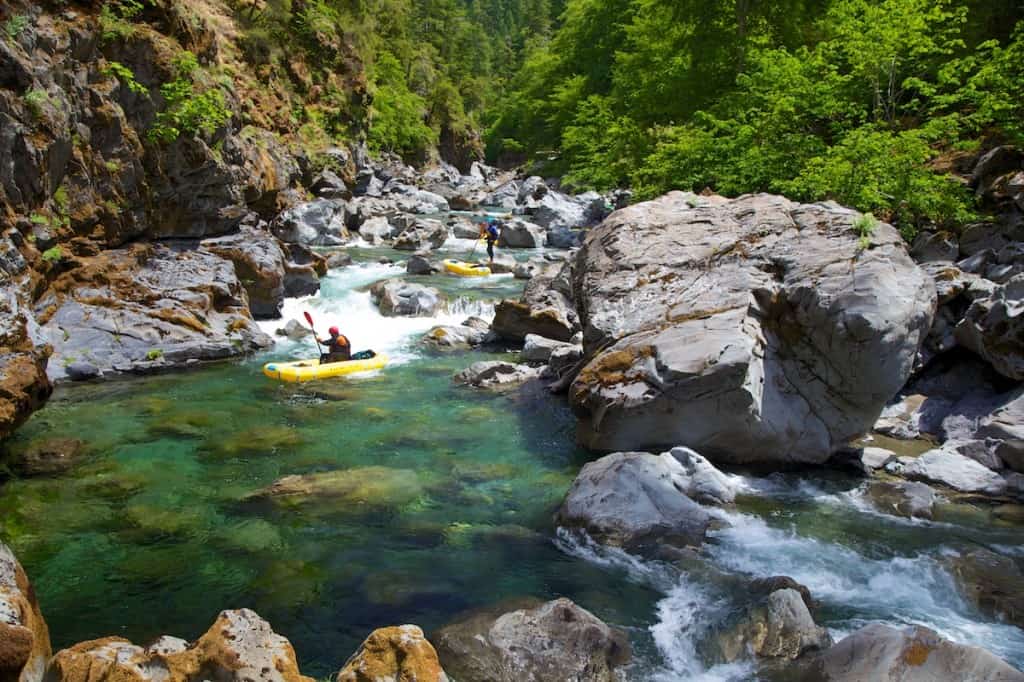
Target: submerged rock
{"x": 779, "y": 626}
{"x": 394, "y": 653}
{"x": 754, "y": 330}
{"x": 912, "y": 654}
{"x": 496, "y": 374}
{"x": 396, "y": 297}
{"x": 372, "y": 486}
{"x": 905, "y": 498}
{"x": 48, "y": 457}
{"x": 554, "y": 641}
{"x": 239, "y": 647}
{"x": 24, "y": 637}
{"x": 994, "y": 583}
{"x": 630, "y": 500}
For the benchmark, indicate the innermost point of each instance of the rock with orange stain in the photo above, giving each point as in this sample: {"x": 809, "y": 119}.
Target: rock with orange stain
{"x": 239, "y": 647}
{"x": 399, "y": 653}
{"x": 24, "y": 637}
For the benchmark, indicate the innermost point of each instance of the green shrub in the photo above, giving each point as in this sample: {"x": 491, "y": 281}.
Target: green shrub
{"x": 53, "y": 255}
{"x": 39, "y": 219}
{"x": 154, "y": 354}
{"x": 189, "y": 109}
{"x": 15, "y": 25}
{"x": 397, "y": 119}
{"x": 125, "y": 76}
{"x": 36, "y": 101}
{"x": 116, "y": 19}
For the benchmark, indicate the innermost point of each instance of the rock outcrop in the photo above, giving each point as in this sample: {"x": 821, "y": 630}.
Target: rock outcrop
{"x": 495, "y": 374}
{"x": 754, "y": 329}
{"x": 545, "y": 309}
{"x": 260, "y": 266}
{"x": 394, "y": 653}
{"x": 397, "y": 297}
{"x": 24, "y": 637}
{"x": 992, "y": 582}
{"x": 630, "y": 500}
{"x": 239, "y": 647}
{"x": 913, "y": 654}
{"x": 779, "y": 627}
{"x": 554, "y": 641}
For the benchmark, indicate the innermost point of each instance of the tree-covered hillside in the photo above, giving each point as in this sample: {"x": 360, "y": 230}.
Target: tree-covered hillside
{"x": 864, "y": 101}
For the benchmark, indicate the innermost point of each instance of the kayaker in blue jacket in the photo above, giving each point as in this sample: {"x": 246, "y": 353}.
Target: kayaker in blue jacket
{"x": 490, "y": 232}
{"x": 339, "y": 349}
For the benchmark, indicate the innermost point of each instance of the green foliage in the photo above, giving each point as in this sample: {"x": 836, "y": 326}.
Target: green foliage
{"x": 116, "y": 18}
{"x": 125, "y": 76}
{"x": 53, "y": 255}
{"x": 15, "y": 25}
{"x": 36, "y": 100}
{"x": 154, "y": 354}
{"x": 112, "y": 166}
{"x": 189, "y": 108}
{"x": 39, "y": 219}
{"x": 397, "y": 120}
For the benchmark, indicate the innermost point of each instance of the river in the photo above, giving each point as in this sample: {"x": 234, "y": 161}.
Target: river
{"x": 157, "y": 531}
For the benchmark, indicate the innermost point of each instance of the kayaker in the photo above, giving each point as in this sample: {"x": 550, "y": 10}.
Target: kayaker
{"x": 490, "y": 232}
{"x": 339, "y": 349}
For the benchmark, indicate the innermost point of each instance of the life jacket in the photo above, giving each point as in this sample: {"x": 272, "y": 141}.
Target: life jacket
{"x": 492, "y": 231}
{"x": 340, "y": 343}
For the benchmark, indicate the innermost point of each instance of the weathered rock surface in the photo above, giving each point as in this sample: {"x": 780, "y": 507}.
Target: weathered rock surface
{"x": 496, "y": 374}
{"x": 315, "y": 223}
{"x": 239, "y": 647}
{"x": 554, "y": 641}
{"x": 519, "y": 234}
{"x": 24, "y": 637}
{"x": 472, "y": 332}
{"x": 259, "y": 265}
{"x": 48, "y": 457}
{"x": 376, "y": 230}
{"x": 419, "y": 264}
{"x": 754, "y": 329}
{"x": 911, "y": 499}
{"x": 953, "y": 470}
{"x": 994, "y": 583}
{"x": 144, "y": 306}
{"x": 545, "y": 309}
{"x": 913, "y": 654}
{"x": 422, "y": 235}
{"x": 394, "y": 653}
{"x": 779, "y": 626}
{"x": 630, "y": 500}
{"x": 539, "y": 349}
{"x": 698, "y": 478}
{"x": 396, "y": 297}
{"x": 360, "y": 487}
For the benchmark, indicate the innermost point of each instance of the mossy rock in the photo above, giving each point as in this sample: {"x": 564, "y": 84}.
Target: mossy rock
{"x": 357, "y": 488}
{"x": 263, "y": 440}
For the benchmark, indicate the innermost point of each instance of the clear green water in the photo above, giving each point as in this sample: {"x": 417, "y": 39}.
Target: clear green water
{"x": 156, "y": 530}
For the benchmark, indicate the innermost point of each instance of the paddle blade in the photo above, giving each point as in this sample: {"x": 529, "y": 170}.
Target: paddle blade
{"x": 309, "y": 318}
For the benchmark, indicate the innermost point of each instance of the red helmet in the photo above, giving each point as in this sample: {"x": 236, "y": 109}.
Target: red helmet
{"x": 333, "y": 331}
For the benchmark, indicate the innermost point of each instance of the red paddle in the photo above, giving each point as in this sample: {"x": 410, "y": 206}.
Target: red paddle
{"x": 309, "y": 318}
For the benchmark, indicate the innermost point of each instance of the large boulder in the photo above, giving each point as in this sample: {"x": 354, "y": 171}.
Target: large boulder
{"x": 394, "y": 653}
{"x": 910, "y": 499}
{"x": 239, "y": 647}
{"x": 780, "y": 626}
{"x": 989, "y": 328}
{"x": 992, "y": 582}
{"x": 912, "y": 654}
{"x": 396, "y": 298}
{"x": 24, "y": 637}
{"x": 557, "y": 640}
{"x": 504, "y": 196}
{"x": 539, "y": 349}
{"x": 259, "y": 265}
{"x": 556, "y": 211}
{"x": 630, "y": 500}
{"x": 470, "y": 333}
{"x": 422, "y": 235}
{"x": 545, "y": 309}
{"x": 754, "y": 330}
{"x": 376, "y": 230}
{"x": 147, "y": 307}
{"x": 519, "y": 234}
{"x": 947, "y": 467}
{"x": 314, "y": 223}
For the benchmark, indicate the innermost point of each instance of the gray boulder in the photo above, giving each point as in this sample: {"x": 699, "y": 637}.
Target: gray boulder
{"x": 533, "y": 188}
{"x": 753, "y": 330}
{"x": 630, "y": 500}
{"x": 563, "y": 238}
{"x": 556, "y": 211}
{"x": 947, "y": 467}
{"x": 912, "y": 654}
{"x": 455, "y": 337}
{"x": 1004, "y": 430}
{"x": 935, "y": 246}
{"x": 780, "y": 626}
{"x": 397, "y": 298}
{"x": 519, "y": 234}
{"x": 328, "y": 185}
{"x": 368, "y": 184}
{"x": 82, "y": 371}
{"x": 539, "y": 349}
{"x": 314, "y": 223}
{"x": 464, "y": 228}
{"x": 504, "y": 196}
{"x": 294, "y": 330}
{"x": 545, "y": 309}
{"x": 260, "y": 265}
{"x": 376, "y": 230}
{"x": 990, "y": 328}
{"x": 557, "y": 640}
{"x": 419, "y": 264}
{"x": 992, "y": 582}
{"x": 700, "y": 480}
{"x": 422, "y": 235}
{"x": 496, "y": 374}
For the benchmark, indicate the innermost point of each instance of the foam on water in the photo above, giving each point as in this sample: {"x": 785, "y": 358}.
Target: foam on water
{"x": 341, "y": 302}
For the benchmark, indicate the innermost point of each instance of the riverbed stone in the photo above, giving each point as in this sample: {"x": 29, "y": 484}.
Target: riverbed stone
{"x": 419, "y": 264}
{"x": 398, "y": 298}
{"x": 394, "y": 653}
{"x": 753, "y": 330}
{"x": 496, "y": 374}
{"x": 780, "y": 626}
{"x": 24, "y": 636}
{"x": 239, "y": 647}
{"x": 376, "y": 230}
{"x": 557, "y": 640}
{"x": 700, "y": 480}
{"x": 993, "y": 326}
{"x": 422, "y": 235}
{"x": 48, "y": 457}
{"x": 358, "y": 487}
{"x": 992, "y": 582}
{"x": 520, "y": 234}
{"x": 294, "y": 330}
{"x": 630, "y": 500}
{"x": 911, "y": 499}
{"x": 949, "y": 468}
{"x": 545, "y": 309}
{"x": 315, "y": 223}
{"x": 454, "y": 337}
{"x": 911, "y": 654}
{"x": 538, "y": 349}
{"x": 259, "y": 265}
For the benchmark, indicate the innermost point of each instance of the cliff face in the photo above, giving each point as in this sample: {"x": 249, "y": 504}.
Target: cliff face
{"x": 127, "y": 122}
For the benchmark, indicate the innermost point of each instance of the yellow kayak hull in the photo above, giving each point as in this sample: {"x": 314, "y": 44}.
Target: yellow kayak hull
{"x": 464, "y": 269}
{"x": 310, "y": 370}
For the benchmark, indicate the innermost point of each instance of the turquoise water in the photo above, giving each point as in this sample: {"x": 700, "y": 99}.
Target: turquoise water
{"x": 441, "y": 500}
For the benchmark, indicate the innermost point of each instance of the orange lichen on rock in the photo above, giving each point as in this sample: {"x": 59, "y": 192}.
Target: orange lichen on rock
{"x": 399, "y": 653}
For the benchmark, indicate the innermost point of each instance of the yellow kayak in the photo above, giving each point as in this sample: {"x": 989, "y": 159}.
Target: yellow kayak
{"x": 308, "y": 370}
{"x": 465, "y": 269}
